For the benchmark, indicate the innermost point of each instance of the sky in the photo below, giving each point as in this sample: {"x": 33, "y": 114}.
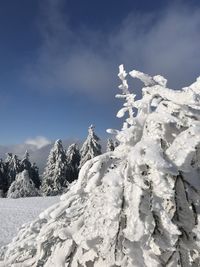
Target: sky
{"x": 59, "y": 61}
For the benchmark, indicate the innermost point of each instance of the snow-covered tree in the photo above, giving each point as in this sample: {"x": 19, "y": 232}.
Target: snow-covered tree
{"x": 23, "y": 186}
{"x": 115, "y": 144}
{"x": 31, "y": 168}
{"x": 136, "y": 206}
{"x": 54, "y": 180}
{"x": 12, "y": 168}
{"x": 111, "y": 145}
{"x": 25, "y": 163}
{"x": 3, "y": 180}
{"x": 73, "y": 161}
{"x": 91, "y": 147}
{"x": 34, "y": 175}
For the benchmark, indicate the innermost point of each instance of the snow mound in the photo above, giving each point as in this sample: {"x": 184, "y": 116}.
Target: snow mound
{"x": 136, "y": 206}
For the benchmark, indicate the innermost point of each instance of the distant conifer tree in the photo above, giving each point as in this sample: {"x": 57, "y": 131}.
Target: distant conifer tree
{"x": 31, "y": 168}
{"x": 110, "y": 145}
{"x": 23, "y": 186}
{"x": 73, "y": 161}
{"x": 91, "y": 147}
{"x": 54, "y": 180}
{"x": 3, "y": 181}
{"x": 12, "y": 168}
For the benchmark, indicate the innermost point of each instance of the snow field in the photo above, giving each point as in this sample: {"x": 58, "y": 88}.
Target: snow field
{"x": 16, "y": 212}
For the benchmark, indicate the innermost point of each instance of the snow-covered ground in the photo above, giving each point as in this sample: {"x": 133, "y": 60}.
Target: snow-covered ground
{"x": 15, "y": 212}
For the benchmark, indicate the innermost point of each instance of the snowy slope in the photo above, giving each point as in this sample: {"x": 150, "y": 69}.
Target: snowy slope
{"x": 15, "y": 212}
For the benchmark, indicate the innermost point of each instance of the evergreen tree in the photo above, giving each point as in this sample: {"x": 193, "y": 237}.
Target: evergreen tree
{"x": 110, "y": 145}
{"x": 34, "y": 175}
{"x": 31, "y": 168}
{"x": 54, "y": 180}
{"x": 25, "y": 163}
{"x": 3, "y": 181}
{"x": 115, "y": 144}
{"x": 73, "y": 161}
{"x": 91, "y": 147}
{"x": 12, "y": 168}
{"x": 23, "y": 186}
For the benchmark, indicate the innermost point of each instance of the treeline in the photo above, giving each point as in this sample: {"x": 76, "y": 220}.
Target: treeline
{"x": 20, "y": 177}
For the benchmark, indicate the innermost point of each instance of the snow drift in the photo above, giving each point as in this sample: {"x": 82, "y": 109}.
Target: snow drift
{"x": 137, "y": 206}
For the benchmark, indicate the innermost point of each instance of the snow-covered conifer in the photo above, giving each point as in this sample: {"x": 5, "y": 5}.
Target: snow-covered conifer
{"x": 73, "y": 161}
{"x": 31, "y": 168}
{"x": 23, "y": 186}
{"x": 34, "y": 175}
{"x": 54, "y": 180}
{"x": 3, "y": 180}
{"x": 136, "y": 206}
{"x": 25, "y": 163}
{"x": 12, "y": 168}
{"x": 91, "y": 147}
{"x": 115, "y": 144}
{"x": 110, "y": 145}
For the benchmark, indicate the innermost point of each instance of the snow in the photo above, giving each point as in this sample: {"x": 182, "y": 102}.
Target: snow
{"x": 16, "y": 212}
{"x": 136, "y": 206}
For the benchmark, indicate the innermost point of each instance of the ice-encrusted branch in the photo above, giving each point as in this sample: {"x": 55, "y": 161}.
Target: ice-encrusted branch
{"x": 129, "y": 97}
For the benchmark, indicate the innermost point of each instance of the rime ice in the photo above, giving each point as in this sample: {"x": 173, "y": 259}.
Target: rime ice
{"x": 136, "y": 206}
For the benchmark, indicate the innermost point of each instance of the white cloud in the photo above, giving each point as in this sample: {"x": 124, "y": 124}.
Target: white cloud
{"x": 86, "y": 61}
{"x": 38, "y": 142}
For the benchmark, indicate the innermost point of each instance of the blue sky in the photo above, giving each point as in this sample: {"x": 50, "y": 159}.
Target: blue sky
{"x": 59, "y": 60}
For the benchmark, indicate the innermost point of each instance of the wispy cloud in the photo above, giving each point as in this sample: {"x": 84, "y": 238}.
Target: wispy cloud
{"x": 38, "y": 141}
{"x": 86, "y": 61}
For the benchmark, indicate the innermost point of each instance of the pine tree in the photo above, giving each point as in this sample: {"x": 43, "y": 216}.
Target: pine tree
{"x": 115, "y": 144}
{"x": 3, "y": 181}
{"x": 136, "y": 206}
{"x": 91, "y": 147}
{"x": 23, "y": 186}
{"x": 73, "y": 161}
{"x": 25, "y": 163}
{"x": 110, "y": 145}
{"x": 31, "y": 168}
{"x": 34, "y": 175}
{"x": 12, "y": 168}
{"x": 54, "y": 180}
